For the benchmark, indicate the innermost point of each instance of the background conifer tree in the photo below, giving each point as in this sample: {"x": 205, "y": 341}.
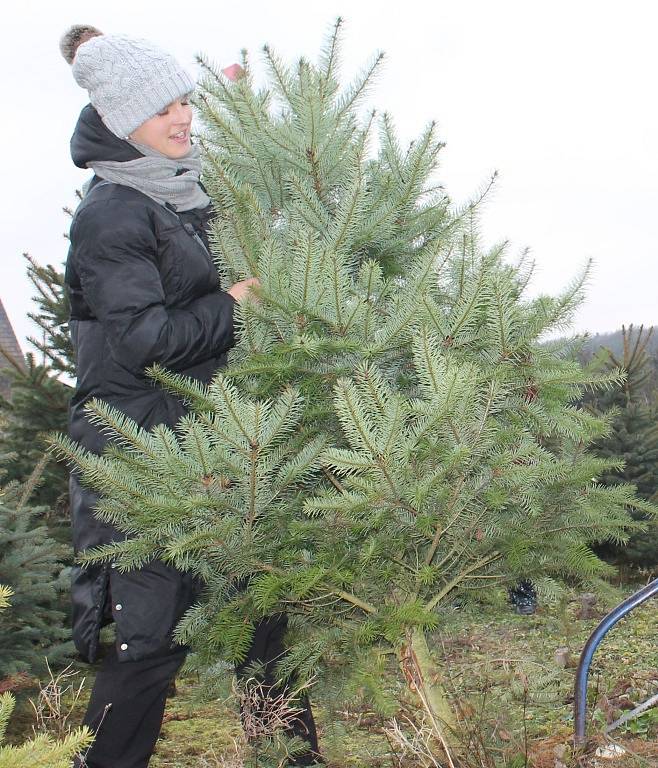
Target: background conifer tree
{"x": 633, "y": 438}
{"x": 39, "y": 398}
{"x": 30, "y": 564}
{"x": 42, "y": 750}
{"x": 390, "y": 430}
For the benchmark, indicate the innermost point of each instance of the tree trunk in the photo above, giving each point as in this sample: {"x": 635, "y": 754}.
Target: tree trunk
{"x": 425, "y": 680}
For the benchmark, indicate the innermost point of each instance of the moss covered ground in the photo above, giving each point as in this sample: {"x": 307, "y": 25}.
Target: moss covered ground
{"x": 515, "y": 698}
{"x": 509, "y": 681}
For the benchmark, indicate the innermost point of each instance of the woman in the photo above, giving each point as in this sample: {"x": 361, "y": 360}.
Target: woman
{"x": 143, "y": 289}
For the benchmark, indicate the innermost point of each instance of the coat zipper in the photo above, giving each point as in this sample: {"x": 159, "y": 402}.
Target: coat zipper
{"x": 190, "y": 231}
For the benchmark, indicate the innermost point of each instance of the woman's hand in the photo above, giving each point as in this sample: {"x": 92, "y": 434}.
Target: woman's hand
{"x": 242, "y": 290}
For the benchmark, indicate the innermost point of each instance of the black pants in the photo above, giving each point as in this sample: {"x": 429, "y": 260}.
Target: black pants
{"x": 128, "y": 700}
{"x": 266, "y": 649}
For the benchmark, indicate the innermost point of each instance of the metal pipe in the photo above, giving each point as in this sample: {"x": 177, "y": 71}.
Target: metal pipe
{"x": 582, "y": 673}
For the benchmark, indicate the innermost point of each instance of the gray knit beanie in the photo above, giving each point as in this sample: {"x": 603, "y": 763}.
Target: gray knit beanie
{"x": 129, "y": 80}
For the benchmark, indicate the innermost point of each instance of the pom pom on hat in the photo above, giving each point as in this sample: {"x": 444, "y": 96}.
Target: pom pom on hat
{"x": 74, "y": 37}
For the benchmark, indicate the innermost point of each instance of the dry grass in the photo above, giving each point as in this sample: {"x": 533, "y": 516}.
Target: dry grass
{"x": 232, "y": 759}
{"x": 57, "y": 702}
{"x": 412, "y": 743}
{"x": 57, "y": 705}
{"x": 264, "y": 713}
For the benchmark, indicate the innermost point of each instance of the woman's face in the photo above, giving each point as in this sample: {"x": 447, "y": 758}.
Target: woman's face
{"x": 168, "y": 132}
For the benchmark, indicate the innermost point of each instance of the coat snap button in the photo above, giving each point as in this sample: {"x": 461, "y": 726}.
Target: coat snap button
{"x": 124, "y": 646}
{"x": 118, "y": 606}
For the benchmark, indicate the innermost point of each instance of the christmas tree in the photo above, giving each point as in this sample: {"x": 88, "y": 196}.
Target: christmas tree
{"x": 30, "y": 564}
{"x": 391, "y": 430}
{"x": 633, "y": 438}
{"x": 39, "y": 398}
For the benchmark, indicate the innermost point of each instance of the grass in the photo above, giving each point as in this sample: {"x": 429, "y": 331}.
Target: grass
{"x": 515, "y": 701}
{"x": 511, "y": 692}
{"x": 519, "y": 700}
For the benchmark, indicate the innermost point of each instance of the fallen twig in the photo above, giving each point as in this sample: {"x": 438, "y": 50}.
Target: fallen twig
{"x": 632, "y": 714}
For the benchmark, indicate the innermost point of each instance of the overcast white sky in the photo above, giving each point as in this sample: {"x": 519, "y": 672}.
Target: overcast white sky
{"x": 559, "y": 97}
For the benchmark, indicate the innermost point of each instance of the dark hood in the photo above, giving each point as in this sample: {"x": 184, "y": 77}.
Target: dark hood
{"x": 92, "y": 141}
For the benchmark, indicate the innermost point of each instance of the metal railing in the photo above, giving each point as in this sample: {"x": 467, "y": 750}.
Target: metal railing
{"x": 582, "y": 673}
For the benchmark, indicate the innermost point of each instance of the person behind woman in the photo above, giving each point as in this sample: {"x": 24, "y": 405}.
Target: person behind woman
{"x": 143, "y": 289}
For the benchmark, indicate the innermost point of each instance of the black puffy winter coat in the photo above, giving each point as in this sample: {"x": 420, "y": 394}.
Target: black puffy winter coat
{"x": 143, "y": 289}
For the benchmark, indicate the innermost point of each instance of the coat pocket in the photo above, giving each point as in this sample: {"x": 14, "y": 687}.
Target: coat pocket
{"x": 146, "y": 606}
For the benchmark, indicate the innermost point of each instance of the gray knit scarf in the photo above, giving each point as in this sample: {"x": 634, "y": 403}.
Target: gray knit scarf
{"x": 155, "y": 176}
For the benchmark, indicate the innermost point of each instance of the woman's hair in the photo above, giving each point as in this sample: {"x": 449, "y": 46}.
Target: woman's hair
{"x": 74, "y": 37}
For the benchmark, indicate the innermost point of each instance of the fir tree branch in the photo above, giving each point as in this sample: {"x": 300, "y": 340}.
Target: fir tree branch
{"x": 397, "y": 500}
{"x": 356, "y": 601}
{"x": 253, "y": 474}
{"x": 331, "y": 57}
{"x": 32, "y": 482}
{"x": 441, "y": 530}
{"x": 344, "y": 595}
{"x": 278, "y": 70}
{"x": 359, "y": 89}
{"x": 333, "y": 479}
{"x": 431, "y": 604}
